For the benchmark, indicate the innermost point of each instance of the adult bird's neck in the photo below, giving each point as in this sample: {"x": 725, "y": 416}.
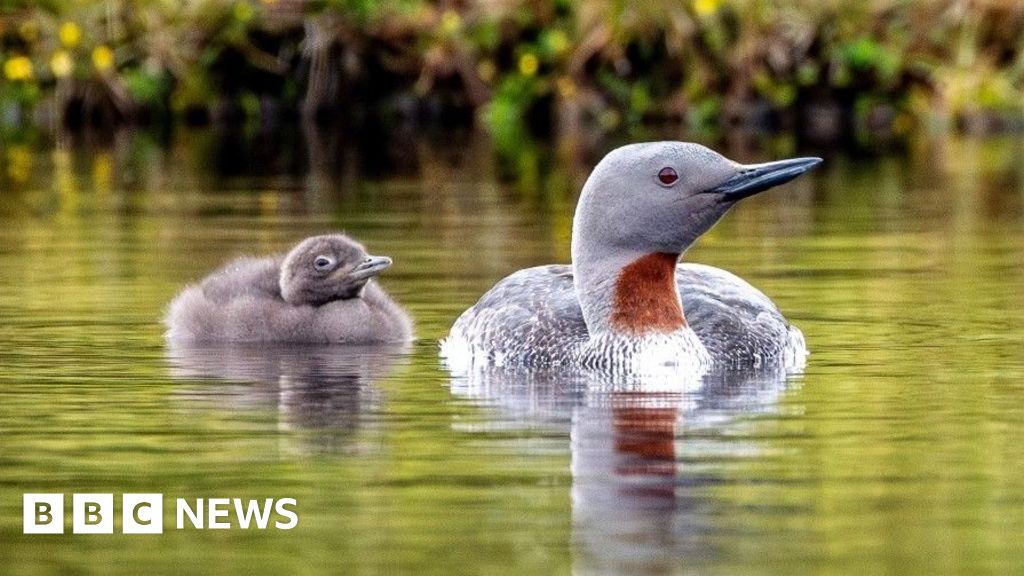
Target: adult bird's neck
{"x": 646, "y": 297}
{"x": 631, "y": 294}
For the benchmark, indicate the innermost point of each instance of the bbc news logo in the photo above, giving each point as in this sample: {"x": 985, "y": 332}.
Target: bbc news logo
{"x": 144, "y": 513}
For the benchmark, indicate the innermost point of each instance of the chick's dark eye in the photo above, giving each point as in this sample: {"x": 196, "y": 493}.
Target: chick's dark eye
{"x": 667, "y": 176}
{"x": 322, "y": 263}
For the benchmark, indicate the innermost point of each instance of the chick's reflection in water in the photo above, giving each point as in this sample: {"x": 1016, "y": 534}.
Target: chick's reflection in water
{"x": 643, "y": 460}
{"x": 319, "y": 394}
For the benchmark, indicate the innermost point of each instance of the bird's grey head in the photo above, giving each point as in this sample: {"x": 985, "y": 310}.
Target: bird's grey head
{"x": 325, "y": 268}
{"x": 661, "y": 196}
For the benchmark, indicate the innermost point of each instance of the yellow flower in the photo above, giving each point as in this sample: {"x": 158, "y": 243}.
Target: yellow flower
{"x": 61, "y": 64}
{"x": 558, "y": 41}
{"x": 705, "y": 8}
{"x": 528, "y": 64}
{"x": 450, "y": 22}
{"x": 102, "y": 58}
{"x": 18, "y": 68}
{"x": 69, "y": 34}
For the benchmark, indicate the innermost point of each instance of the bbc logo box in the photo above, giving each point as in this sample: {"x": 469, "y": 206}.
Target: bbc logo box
{"x": 43, "y": 513}
{"x": 93, "y": 514}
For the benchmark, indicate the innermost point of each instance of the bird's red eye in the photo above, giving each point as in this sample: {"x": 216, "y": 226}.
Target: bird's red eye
{"x": 667, "y": 176}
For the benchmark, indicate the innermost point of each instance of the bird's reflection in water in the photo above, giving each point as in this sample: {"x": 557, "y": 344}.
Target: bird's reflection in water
{"x": 319, "y": 393}
{"x": 642, "y": 455}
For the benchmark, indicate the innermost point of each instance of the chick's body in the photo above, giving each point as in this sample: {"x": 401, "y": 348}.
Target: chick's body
{"x": 321, "y": 292}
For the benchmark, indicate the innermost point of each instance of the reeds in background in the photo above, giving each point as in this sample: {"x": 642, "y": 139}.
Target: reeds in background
{"x": 828, "y": 68}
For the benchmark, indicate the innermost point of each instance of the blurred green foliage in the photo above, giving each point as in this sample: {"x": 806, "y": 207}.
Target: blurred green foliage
{"x": 879, "y": 64}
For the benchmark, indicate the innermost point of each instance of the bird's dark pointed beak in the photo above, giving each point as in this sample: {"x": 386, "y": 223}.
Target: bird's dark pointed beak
{"x": 755, "y": 178}
{"x": 370, "y": 267}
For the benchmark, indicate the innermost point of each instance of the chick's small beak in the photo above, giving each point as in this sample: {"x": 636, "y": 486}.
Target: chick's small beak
{"x": 755, "y": 178}
{"x": 370, "y": 267}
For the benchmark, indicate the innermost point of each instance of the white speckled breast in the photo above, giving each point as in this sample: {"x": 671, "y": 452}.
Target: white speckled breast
{"x": 533, "y": 319}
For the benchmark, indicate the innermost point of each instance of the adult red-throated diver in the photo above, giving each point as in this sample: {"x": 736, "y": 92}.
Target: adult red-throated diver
{"x": 625, "y": 304}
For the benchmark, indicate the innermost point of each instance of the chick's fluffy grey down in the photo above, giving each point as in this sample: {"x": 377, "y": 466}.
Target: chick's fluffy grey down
{"x": 242, "y": 302}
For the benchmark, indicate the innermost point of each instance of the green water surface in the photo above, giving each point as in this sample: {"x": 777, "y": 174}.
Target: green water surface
{"x": 900, "y": 449}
